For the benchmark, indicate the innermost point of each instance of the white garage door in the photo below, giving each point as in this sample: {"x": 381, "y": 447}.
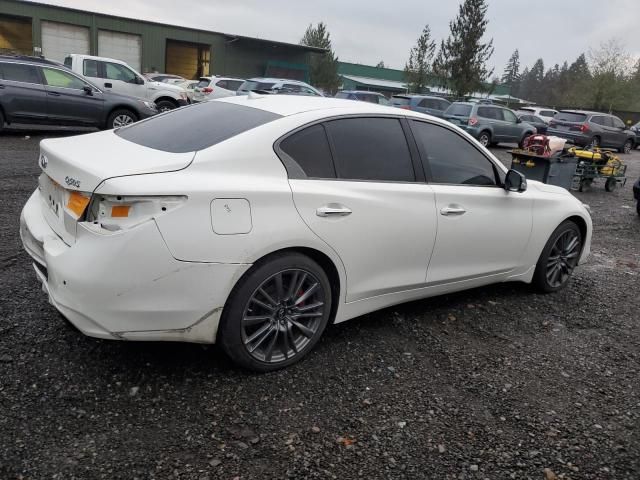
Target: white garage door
{"x": 61, "y": 39}
{"x": 121, "y": 46}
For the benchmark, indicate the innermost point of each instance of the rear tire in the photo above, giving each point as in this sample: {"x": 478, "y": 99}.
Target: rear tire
{"x": 121, "y": 118}
{"x": 1, "y": 121}
{"x": 610, "y": 185}
{"x": 558, "y": 258}
{"x": 594, "y": 143}
{"x": 276, "y": 313}
{"x": 485, "y": 138}
{"x": 526, "y": 135}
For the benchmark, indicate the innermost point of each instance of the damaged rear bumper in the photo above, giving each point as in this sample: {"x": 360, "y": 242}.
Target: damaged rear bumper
{"x": 126, "y": 285}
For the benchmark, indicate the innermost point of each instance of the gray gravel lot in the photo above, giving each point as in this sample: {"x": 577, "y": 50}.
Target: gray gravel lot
{"x": 494, "y": 383}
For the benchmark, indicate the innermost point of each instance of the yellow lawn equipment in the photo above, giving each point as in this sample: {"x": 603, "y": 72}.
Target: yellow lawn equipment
{"x": 597, "y": 163}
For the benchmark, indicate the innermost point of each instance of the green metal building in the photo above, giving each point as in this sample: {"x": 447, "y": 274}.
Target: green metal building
{"x": 34, "y": 28}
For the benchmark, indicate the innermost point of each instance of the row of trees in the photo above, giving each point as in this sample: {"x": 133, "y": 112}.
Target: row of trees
{"x": 604, "y": 79}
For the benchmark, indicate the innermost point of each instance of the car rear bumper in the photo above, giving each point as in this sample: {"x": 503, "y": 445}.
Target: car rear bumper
{"x": 126, "y": 285}
{"x": 574, "y": 137}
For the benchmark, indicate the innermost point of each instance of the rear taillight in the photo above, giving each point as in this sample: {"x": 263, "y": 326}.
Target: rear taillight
{"x": 584, "y": 128}
{"x": 405, "y": 107}
{"x": 207, "y": 90}
{"x": 473, "y": 121}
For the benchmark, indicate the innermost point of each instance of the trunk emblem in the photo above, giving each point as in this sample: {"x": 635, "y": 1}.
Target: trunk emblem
{"x": 44, "y": 161}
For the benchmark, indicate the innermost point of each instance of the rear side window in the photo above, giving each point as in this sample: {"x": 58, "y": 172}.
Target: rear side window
{"x": 451, "y": 158}
{"x": 371, "y": 149}
{"x": 17, "y": 72}
{"x": 221, "y": 84}
{"x": 90, "y": 68}
{"x": 570, "y": 117}
{"x": 234, "y": 84}
{"x": 490, "y": 113}
{"x": 459, "y": 110}
{"x": 400, "y": 101}
{"x": 254, "y": 85}
{"x": 196, "y": 127}
{"x": 309, "y": 148}
{"x": 428, "y": 103}
{"x": 599, "y": 120}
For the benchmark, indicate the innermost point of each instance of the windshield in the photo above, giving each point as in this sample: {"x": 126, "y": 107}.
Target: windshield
{"x": 458, "y": 110}
{"x": 196, "y": 127}
{"x": 254, "y": 85}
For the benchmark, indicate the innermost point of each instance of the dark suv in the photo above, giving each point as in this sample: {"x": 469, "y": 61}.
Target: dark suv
{"x": 38, "y": 91}
{"x": 592, "y": 129}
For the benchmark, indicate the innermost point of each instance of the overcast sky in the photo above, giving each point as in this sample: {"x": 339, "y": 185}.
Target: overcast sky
{"x": 367, "y": 32}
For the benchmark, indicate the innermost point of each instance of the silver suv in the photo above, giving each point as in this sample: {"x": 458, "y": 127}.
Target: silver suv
{"x": 277, "y": 85}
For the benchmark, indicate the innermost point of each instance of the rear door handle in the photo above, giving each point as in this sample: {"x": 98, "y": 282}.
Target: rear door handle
{"x": 450, "y": 211}
{"x": 1, "y": 86}
{"x": 333, "y": 211}
{"x": 54, "y": 94}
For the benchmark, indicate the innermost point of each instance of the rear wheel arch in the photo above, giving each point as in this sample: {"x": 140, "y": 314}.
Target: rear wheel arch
{"x": 171, "y": 100}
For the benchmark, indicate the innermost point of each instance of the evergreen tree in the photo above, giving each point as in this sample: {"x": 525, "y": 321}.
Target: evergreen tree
{"x": 418, "y": 69}
{"x": 464, "y": 56}
{"x": 511, "y": 73}
{"x": 324, "y": 66}
{"x": 381, "y": 64}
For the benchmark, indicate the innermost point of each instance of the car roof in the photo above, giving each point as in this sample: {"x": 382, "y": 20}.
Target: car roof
{"x": 95, "y": 57}
{"x": 28, "y": 59}
{"x": 583, "y": 112}
{"x": 275, "y": 80}
{"x": 286, "y": 105}
{"x": 361, "y": 91}
{"x": 417, "y": 95}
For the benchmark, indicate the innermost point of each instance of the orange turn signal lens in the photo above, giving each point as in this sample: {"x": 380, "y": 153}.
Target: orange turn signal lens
{"x": 120, "y": 211}
{"x": 77, "y": 203}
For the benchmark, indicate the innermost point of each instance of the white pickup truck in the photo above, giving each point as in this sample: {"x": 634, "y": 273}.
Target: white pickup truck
{"x": 116, "y": 76}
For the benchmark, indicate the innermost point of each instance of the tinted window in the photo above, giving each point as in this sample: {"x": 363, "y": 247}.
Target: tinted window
{"x": 570, "y": 117}
{"x": 342, "y": 95}
{"x": 489, "y": 112}
{"x": 204, "y": 82}
{"x": 196, "y": 127}
{"x": 451, "y": 158}
{"x": 537, "y": 119}
{"x": 399, "y": 101}
{"x": 234, "y": 84}
{"x": 608, "y": 121}
{"x": 527, "y": 118}
{"x": 310, "y": 149}
{"x": 115, "y": 71}
{"x": 19, "y": 73}
{"x": 618, "y": 123}
{"x": 58, "y": 78}
{"x": 90, "y": 68}
{"x": 598, "y": 120}
{"x": 253, "y": 85}
{"x": 509, "y": 116}
{"x": 371, "y": 149}
{"x": 459, "y": 110}
{"x": 547, "y": 113}
{"x": 221, "y": 84}
{"x": 443, "y": 104}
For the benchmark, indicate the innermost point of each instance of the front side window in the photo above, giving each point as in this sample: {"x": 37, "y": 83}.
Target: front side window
{"x": 309, "y": 148}
{"x": 90, "y": 68}
{"x": 451, "y": 158}
{"x": 58, "y": 78}
{"x": 115, "y": 71}
{"x": 618, "y": 123}
{"x": 17, "y": 72}
{"x": 370, "y": 149}
{"x": 509, "y": 116}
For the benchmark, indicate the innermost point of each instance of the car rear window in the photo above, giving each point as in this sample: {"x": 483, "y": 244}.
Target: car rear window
{"x": 400, "y": 101}
{"x": 253, "y": 85}
{"x": 570, "y": 117}
{"x": 459, "y": 110}
{"x": 196, "y": 127}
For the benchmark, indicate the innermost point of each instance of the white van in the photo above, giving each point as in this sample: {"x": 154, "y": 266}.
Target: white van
{"x": 115, "y": 75}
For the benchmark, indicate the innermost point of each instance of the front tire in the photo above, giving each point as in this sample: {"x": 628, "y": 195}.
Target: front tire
{"x": 121, "y": 118}
{"x": 277, "y": 313}
{"x": 165, "y": 106}
{"x": 559, "y": 258}
{"x": 627, "y": 147}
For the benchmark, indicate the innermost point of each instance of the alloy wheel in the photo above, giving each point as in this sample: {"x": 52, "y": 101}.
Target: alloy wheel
{"x": 282, "y": 315}
{"x": 563, "y": 258}
{"x": 122, "y": 121}
{"x": 628, "y": 145}
{"x": 484, "y": 140}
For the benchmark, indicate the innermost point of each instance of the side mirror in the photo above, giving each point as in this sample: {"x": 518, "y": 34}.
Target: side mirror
{"x": 515, "y": 182}
{"x": 518, "y": 120}
{"x": 88, "y": 90}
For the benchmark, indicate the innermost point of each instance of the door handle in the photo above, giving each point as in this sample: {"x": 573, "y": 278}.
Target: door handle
{"x": 333, "y": 211}
{"x": 108, "y": 85}
{"x": 450, "y": 211}
{"x": 54, "y": 94}
{"x": 1, "y": 86}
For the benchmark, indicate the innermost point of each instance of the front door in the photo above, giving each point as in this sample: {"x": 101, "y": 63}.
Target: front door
{"x": 122, "y": 79}
{"x": 67, "y": 100}
{"x": 513, "y": 129}
{"x": 362, "y": 197}
{"x": 483, "y": 231}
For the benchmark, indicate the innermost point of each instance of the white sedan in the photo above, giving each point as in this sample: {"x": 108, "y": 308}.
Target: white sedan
{"x": 256, "y": 221}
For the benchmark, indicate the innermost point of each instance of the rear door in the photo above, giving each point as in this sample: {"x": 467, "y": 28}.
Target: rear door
{"x": 362, "y": 193}
{"x": 493, "y": 117}
{"x": 22, "y": 94}
{"x": 513, "y": 129}
{"x": 483, "y": 231}
{"x": 68, "y": 102}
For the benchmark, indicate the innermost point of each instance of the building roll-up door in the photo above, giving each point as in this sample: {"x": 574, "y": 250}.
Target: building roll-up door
{"x": 61, "y": 39}
{"x": 189, "y": 60}
{"x": 15, "y": 35}
{"x": 125, "y": 47}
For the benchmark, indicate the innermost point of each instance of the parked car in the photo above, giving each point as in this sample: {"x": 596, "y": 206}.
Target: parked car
{"x": 593, "y": 129}
{"x": 544, "y": 113}
{"x": 189, "y": 87}
{"x": 277, "y": 85}
{"x": 430, "y": 105}
{"x": 363, "y": 96}
{"x": 256, "y": 246}
{"x": 540, "y": 125}
{"x": 636, "y": 130}
{"x": 209, "y": 88}
{"x": 117, "y": 76}
{"x": 38, "y": 91}
{"x": 490, "y": 124}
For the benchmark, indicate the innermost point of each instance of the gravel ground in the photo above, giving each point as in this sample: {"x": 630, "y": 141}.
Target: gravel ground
{"x": 494, "y": 383}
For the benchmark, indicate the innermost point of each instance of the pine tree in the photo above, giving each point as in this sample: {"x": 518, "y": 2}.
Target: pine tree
{"x": 464, "y": 56}
{"x": 324, "y": 66}
{"x": 381, "y": 64}
{"x": 512, "y": 71}
{"x": 418, "y": 68}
